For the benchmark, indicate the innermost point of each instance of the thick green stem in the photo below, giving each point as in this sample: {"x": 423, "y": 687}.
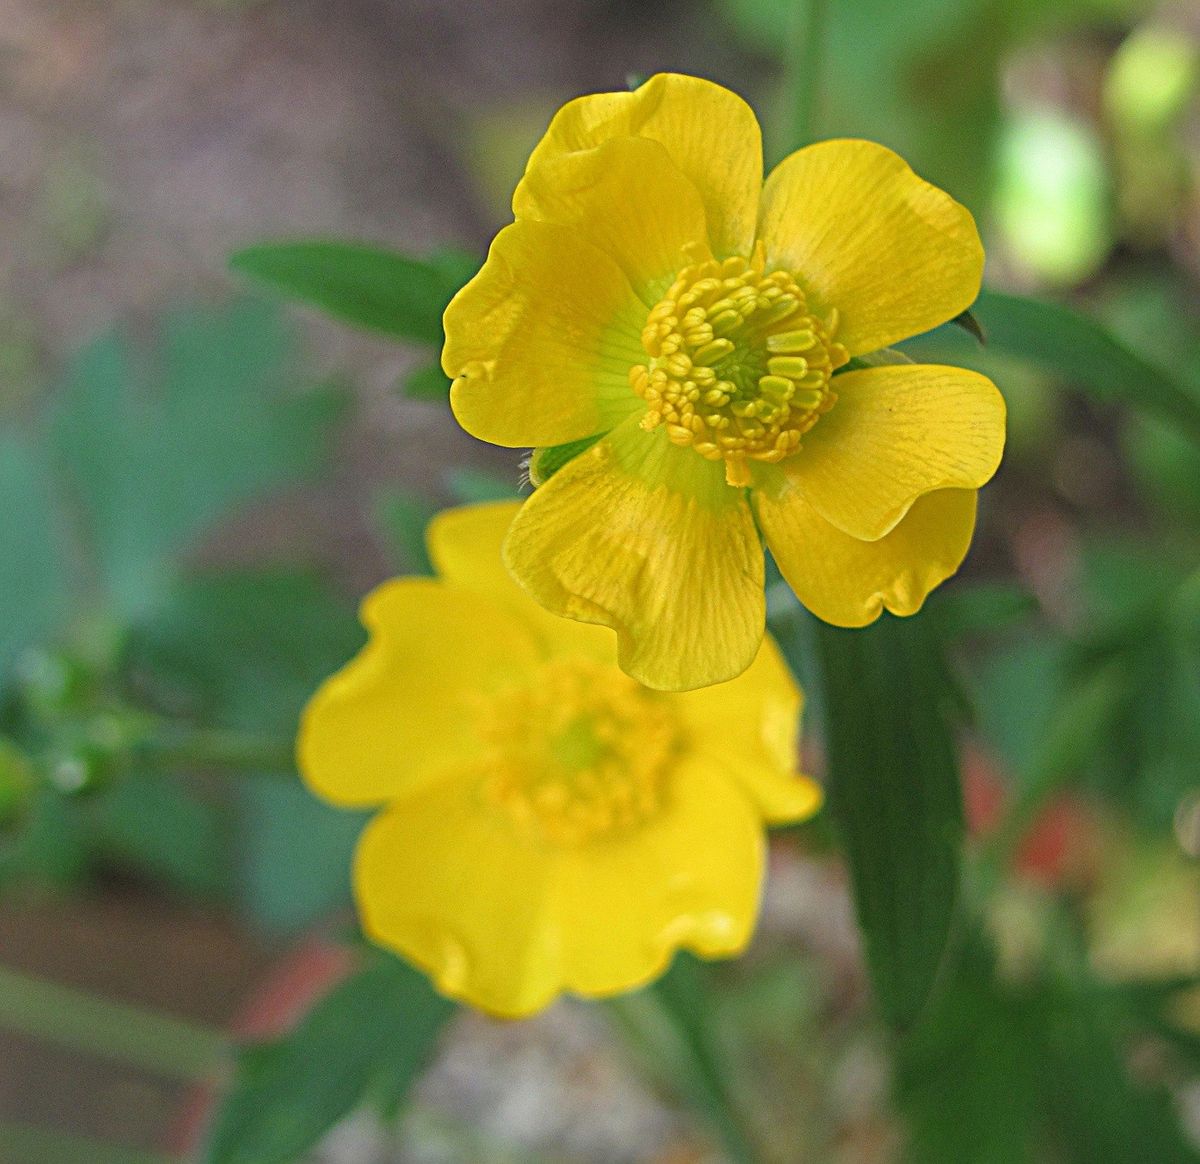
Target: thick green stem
{"x": 806, "y": 70}
{"x": 155, "y": 1042}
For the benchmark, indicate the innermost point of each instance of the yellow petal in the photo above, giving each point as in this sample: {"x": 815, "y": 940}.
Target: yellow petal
{"x": 540, "y": 342}
{"x": 848, "y": 582}
{"x": 629, "y": 200}
{"x": 691, "y": 878}
{"x": 446, "y": 881}
{"x": 398, "y": 713}
{"x": 711, "y": 134}
{"x": 646, "y": 537}
{"x": 464, "y": 544}
{"x": 895, "y": 255}
{"x": 749, "y": 727}
{"x": 895, "y": 433}
{"x": 507, "y": 924}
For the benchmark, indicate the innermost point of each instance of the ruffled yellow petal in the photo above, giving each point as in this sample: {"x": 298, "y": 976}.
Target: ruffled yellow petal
{"x": 464, "y": 544}
{"x": 711, "y": 134}
{"x": 393, "y": 717}
{"x": 691, "y": 878}
{"x": 629, "y": 200}
{"x": 450, "y": 885}
{"x": 539, "y": 344}
{"x": 849, "y": 582}
{"x": 895, "y": 433}
{"x": 748, "y": 727}
{"x": 646, "y": 537}
{"x": 863, "y": 234}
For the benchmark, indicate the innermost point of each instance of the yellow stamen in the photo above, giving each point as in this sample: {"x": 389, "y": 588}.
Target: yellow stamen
{"x": 579, "y": 755}
{"x": 732, "y": 347}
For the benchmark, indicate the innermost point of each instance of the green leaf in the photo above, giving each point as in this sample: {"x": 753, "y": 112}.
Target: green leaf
{"x": 968, "y": 1078}
{"x": 402, "y": 518}
{"x": 33, "y": 590}
{"x": 982, "y": 608}
{"x": 374, "y": 288}
{"x": 157, "y": 825}
{"x": 894, "y": 797}
{"x": 376, "y": 1029}
{"x": 545, "y": 462}
{"x": 671, "y": 1024}
{"x": 1081, "y": 351}
{"x": 161, "y": 442}
{"x": 1097, "y": 1110}
{"x": 475, "y": 486}
{"x": 1015, "y": 1073}
{"x": 295, "y": 854}
{"x": 246, "y": 649}
{"x": 428, "y": 382}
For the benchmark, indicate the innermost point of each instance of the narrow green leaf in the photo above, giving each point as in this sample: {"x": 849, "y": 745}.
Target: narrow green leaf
{"x": 375, "y": 1030}
{"x": 1074, "y": 347}
{"x": 894, "y": 797}
{"x": 369, "y": 286}
{"x": 670, "y": 1024}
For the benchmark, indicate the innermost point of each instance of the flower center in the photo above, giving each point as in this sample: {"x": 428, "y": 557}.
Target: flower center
{"x": 738, "y": 367}
{"x": 581, "y": 753}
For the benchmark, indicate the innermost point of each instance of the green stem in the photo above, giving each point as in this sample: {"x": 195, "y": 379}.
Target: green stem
{"x": 807, "y": 56}
{"x": 218, "y": 748}
{"x": 33, "y": 1145}
{"x": 155, "y": 1042}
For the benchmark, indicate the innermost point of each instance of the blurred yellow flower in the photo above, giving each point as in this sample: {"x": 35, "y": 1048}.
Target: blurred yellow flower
{"x": 654, "y": 298}
{"x": 550, "y": 824}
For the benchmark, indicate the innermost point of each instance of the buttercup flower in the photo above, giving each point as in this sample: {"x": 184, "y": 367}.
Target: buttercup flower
{"x": 550, "y": 824}
{"x": 700, "y": 336}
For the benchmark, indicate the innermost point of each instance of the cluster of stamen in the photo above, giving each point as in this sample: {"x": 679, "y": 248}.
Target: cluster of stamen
{"x": 739, "y": 369}
{"x": 581, "y": 753}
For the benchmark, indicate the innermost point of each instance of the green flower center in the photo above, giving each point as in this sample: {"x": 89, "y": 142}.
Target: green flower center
{"x": 739, "y": 369}
{"x": 581, "y": 753}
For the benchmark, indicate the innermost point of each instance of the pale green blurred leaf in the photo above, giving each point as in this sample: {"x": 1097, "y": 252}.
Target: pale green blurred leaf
{"x": 33, "y": 581}
{"x": 161, "y": 440}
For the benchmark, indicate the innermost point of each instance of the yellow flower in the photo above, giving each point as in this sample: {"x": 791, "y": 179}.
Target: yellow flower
{"x": 653, "y": 297}
{"x": 551, "y": 825}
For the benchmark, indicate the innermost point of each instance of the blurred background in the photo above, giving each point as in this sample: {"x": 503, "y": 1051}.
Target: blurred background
{"x": 197, "y": 483}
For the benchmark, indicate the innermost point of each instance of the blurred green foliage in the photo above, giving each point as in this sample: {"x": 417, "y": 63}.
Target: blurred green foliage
{"x": 117, "y": 656}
